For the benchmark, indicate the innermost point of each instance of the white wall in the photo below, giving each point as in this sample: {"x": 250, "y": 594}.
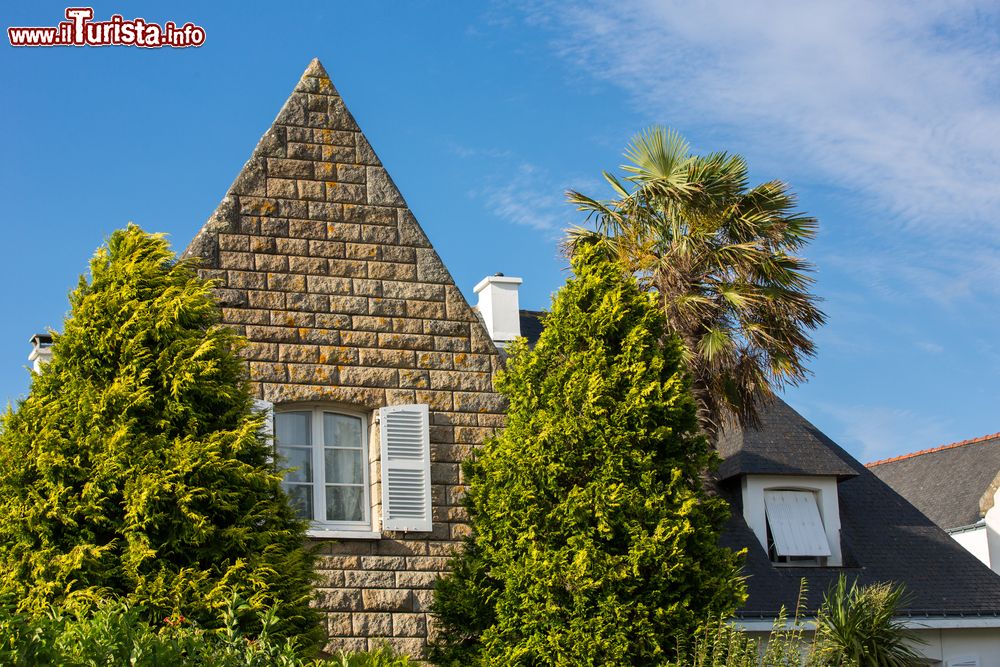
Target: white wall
{"x": 993, "y": 532}
{"x": 944, "y": 645}
{"x": 949, "y": 644}
{"x": 983, "y": 541}
{"x": 975, "y": 542}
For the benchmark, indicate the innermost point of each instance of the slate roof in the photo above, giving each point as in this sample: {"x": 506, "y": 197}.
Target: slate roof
{"x": 785, "y": 444}
{"x": 531, "y": 325}
{"x": 946, "y": 483}
{"x": 884, "y": 538}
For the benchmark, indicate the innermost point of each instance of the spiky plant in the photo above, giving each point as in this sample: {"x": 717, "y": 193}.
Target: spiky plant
{"x": 858, "y": 625}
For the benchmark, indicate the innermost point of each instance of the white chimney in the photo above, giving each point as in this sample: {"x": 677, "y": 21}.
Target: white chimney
{"x": 499, "y": 308}
{"x": 41, "y": 351}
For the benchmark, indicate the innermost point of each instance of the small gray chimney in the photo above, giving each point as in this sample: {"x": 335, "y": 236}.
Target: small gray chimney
{"x": 41, "y": 350}
{"x": 498, "y": 307}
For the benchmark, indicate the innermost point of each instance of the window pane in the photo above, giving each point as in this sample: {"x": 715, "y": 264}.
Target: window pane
{"x": 301, "y": 499}
{"x": 298, "y": 458}
{"x": 292, "y": 428}
{"x": 341, "y": 431}
{"x": 345, "y": 503}
{"x": 343, "y": 466}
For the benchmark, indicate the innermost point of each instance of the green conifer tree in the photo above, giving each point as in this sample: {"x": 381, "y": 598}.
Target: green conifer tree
{"x": 136, "y": 467}
{"x": 594, "y": 540}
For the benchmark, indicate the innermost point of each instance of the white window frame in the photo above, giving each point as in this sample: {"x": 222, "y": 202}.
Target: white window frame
{"x": 322, "y": 528}
{"x": 827, "y": 501}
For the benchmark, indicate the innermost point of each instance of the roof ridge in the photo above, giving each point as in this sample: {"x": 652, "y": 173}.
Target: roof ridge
{"x": 961, "y": 443}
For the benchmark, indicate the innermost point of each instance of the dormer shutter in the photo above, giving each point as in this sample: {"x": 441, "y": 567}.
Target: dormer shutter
{"x": 964, "y": 661}
{"x": 795, "y": 522}
{"x": 406, "y": 468}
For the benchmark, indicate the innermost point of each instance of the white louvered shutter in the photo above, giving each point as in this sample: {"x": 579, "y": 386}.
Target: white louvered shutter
{"x": 795, "y": 523}
{"x": 406, "y": 468}
{"x": 964, "y": 661}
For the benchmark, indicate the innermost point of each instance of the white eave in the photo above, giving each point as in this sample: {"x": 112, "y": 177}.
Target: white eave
{"x": 911, "y": 622}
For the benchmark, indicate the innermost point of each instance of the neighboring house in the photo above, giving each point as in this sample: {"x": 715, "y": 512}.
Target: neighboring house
{"x": 379, "y": 377}
{"x": 957, "y": 487}
{"x": 805, "y": 508}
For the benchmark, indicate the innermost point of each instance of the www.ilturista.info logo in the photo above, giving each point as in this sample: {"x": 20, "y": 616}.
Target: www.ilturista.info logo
{"x": 80, "y": 30}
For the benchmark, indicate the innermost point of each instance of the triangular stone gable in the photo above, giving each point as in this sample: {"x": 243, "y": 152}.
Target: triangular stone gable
{"x": 327, "y": 272}
{"x": 323, "y": 267}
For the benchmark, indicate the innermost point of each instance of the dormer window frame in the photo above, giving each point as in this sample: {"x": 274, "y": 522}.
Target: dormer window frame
{"x": 823, "y": 487}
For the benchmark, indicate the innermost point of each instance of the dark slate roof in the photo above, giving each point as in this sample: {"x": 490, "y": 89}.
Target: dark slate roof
{"x": 884, "y": 538}
{"x": 946, "y": 483}
{"x": 785, "y": 444}
{"x": 531, "y": 325}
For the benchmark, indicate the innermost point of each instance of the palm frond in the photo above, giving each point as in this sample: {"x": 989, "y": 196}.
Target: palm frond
{"x": 723, "y": 258}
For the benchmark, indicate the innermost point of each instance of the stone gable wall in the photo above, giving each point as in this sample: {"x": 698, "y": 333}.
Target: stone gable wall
{"x": 343, "y": 300}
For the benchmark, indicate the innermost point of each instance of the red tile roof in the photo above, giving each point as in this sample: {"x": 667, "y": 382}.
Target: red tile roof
{"x": 961, "y": 443}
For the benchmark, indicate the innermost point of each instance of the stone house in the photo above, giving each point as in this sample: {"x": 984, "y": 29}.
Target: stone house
{"x": 377, "y": 370}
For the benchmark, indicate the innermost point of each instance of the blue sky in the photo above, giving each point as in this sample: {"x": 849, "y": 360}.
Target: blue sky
{"x": 883, "y": 117}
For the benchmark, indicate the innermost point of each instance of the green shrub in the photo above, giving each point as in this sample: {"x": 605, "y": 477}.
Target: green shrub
{"x": 383, "y": 657}
{"x": 718, "y": 644}
{"x": 594, "y": 540}
{"x": 135, "y": 467}
{"x": 115, "y": 633}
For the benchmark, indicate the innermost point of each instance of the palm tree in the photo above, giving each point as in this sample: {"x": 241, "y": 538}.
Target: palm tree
{"x": 721, "y": 257}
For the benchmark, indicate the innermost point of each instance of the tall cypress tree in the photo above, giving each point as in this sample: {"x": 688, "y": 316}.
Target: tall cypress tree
{"x": 135, "y": 467}
{"x": 594, "y": 540}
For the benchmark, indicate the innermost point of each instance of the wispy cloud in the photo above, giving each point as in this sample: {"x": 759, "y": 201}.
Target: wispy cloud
{"x": 467, "y": 152}
{"x": 871, "y": 433}
{"x": 530, "y": 196}
{"x": 929, "y": 347}
{"x": 894, "y": 103}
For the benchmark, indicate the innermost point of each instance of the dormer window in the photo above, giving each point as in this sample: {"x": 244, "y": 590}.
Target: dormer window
{"x": 796, "y": 518}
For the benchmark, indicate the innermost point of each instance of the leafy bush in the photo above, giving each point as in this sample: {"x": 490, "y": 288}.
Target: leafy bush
{"x": 383, "y": 657}
{"x": 118, "y": 634}
{"x": 594, "y": 541}
{"x": 135, "y": 468}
